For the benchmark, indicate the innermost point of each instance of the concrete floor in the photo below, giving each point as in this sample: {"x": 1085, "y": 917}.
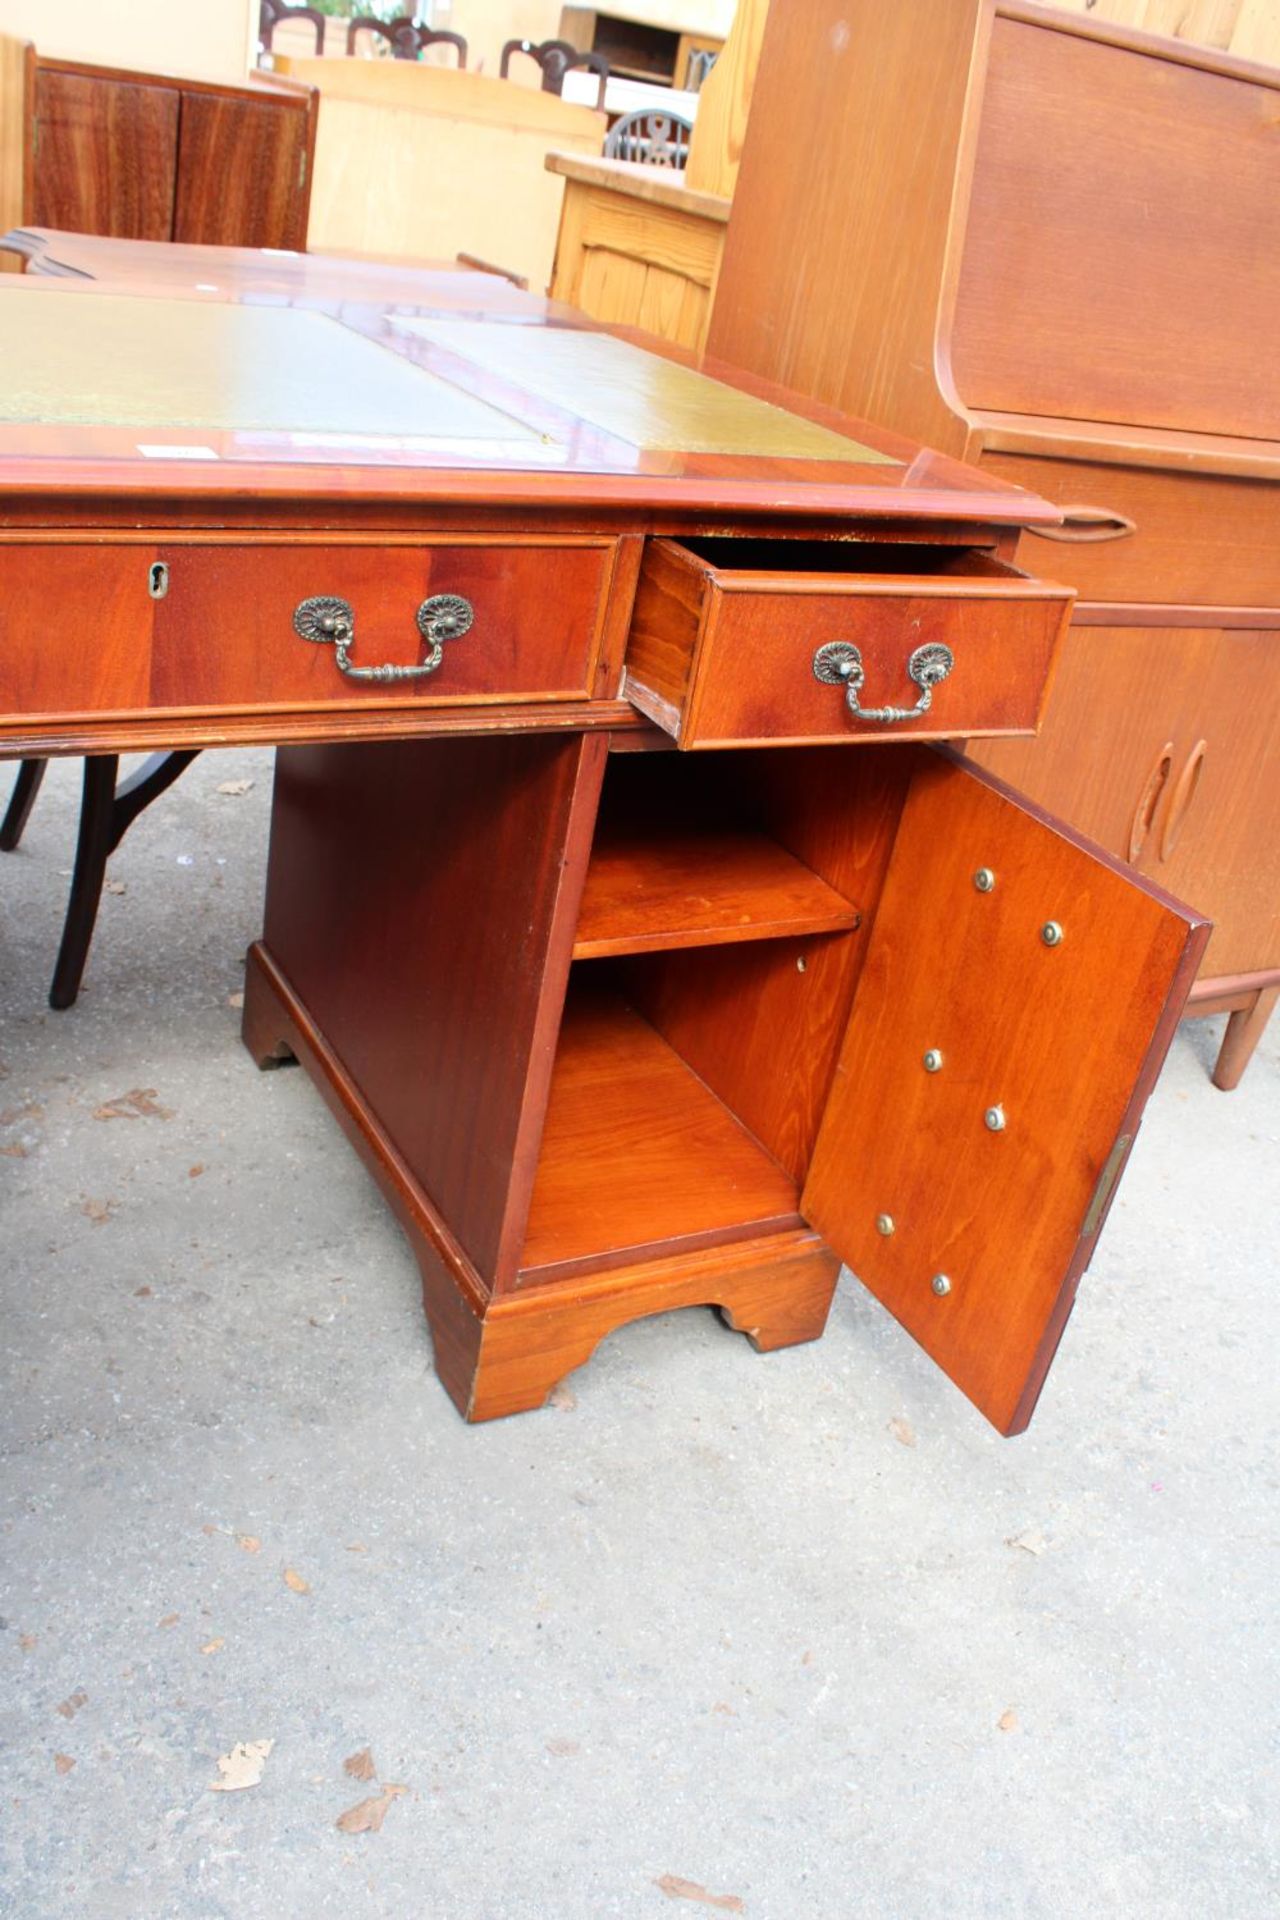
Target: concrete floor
{"x": 719, "y": 1618}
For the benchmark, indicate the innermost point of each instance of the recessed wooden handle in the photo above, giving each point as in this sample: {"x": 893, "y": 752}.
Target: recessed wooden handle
{"x": 1083, "y": 524}
{"x": 1145, "y": 811}
{"x": 1183, "y": 794}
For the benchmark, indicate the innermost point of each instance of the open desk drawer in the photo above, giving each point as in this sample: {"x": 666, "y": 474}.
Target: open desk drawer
{"x": 740, "y": 641}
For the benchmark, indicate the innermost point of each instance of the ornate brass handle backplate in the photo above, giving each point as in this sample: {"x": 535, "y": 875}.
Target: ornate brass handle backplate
{"x": 331, "y": 622}
{"x": 840, "y": 664}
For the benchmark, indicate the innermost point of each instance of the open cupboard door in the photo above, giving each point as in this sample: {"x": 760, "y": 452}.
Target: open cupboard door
{"x": 1019, "y": 994}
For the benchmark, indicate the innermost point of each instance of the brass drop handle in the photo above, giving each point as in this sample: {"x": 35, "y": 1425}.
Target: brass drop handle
{"x": 331, "y": 622}
{"x": 1083, "y": 524}
{"x": 839, "y": 663}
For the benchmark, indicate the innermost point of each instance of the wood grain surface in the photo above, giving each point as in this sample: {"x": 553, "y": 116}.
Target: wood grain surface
{"x": 1104, "y": 245}
{"x": 812, "y": 249}
{"x": 637, "y": 1155}
{"x": 724, "y": 656}
{"x": 1064, "y": 1041}
{"x": 244, "y": 170}
{"x": 1049, "y": 248}
{"x": 777, "y": 1290}
{"x": 1211, "y": 696}
{"x": 762, "y": 1023}
{"x": 17, "y": 109}
{"x": 106, "y": 154}
{"x": 1198, "y": 538}
{"x": 649, "y": 890}
{"x": 124, "y": 651}
{"x": 504, "y": 1355}
{"x": 421, "y": 903}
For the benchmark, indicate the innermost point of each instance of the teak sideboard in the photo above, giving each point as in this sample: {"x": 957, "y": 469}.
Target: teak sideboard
{"x": 1051, "y": 245}
{"x": 625, "y": 902}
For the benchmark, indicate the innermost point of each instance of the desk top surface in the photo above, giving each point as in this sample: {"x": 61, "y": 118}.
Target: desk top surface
{"x": 193, "y": 371}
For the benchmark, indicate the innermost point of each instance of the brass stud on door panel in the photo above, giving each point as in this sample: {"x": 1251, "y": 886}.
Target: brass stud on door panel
{"x": 994, "y": 1119}
{"x": 885, "y": 1224}
{"x": 1051, "y": 933}
{"x": 984, "y": 880}
{"x": 940, "y": 1284}
{"x": 933, "y": 1061}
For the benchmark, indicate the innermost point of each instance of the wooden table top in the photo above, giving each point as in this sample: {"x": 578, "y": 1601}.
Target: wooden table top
{"x": 201, "y": 372}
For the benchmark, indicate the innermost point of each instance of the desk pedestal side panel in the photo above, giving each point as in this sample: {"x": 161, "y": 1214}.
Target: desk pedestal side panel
{"x": 421, "y": 900}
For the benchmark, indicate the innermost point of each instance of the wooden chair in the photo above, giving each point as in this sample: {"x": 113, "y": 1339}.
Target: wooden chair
{"x": 434, "y": 36}
{"x": 649, "y": 135}
{"x": 556, "y": 57}
{"x": 107, "y": 811}
{"x": 274, "y": 11}
{"x": 401, "y": 35}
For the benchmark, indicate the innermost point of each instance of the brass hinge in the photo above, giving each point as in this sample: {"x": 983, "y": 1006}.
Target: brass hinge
{"x": 302, "y": 170}
{"x": 1106, "y": 1181}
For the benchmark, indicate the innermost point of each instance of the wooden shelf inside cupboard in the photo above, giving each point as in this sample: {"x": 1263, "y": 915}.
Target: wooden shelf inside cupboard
{"x": 637, "y": 1153}
{"x": 651, "y": 888}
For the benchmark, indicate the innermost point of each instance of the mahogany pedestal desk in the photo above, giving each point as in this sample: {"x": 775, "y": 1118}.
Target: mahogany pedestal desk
{"x": 617, "y": 904}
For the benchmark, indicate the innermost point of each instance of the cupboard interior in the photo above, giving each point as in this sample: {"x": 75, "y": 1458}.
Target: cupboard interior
{"x": 722, "y": 930}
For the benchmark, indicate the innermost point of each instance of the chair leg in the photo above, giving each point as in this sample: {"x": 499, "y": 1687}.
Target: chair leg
{"x": 106, "y": 814}
{"x": 92, "y": 848}
{"x": 157, "y": 772}
{"x": 21, "y": 801}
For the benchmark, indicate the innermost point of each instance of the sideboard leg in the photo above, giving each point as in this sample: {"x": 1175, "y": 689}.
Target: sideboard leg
{"x": 1244, "y": 1030}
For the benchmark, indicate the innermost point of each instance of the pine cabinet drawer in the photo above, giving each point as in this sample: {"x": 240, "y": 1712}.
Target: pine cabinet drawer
{"x": 157, "y": 627}
{"x": 738, "y": 641}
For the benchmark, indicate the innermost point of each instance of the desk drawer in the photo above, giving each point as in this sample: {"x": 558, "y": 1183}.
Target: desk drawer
{"x": 735, "y": 642}
{"x": 1195, "y": 539}
{"x": 92, "y": 629}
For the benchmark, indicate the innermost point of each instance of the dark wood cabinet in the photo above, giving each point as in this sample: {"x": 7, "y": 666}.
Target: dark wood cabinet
{"x": 147, "y": 157}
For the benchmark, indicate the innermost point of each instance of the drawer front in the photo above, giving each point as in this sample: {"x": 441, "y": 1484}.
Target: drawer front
{"x": 88, "y": 630}
{"x": 1169, "y": 538}
{"x": 722, "y": 657}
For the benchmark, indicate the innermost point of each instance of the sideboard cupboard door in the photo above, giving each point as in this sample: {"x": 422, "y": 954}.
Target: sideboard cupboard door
{"x": 1019, "y": 993}
{"x": 105, "y": 156}
{"x": 242, "y": 172}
